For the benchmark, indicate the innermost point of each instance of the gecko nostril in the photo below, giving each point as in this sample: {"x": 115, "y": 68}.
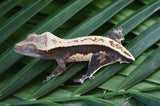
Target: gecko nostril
{"x": 15, "y": 47}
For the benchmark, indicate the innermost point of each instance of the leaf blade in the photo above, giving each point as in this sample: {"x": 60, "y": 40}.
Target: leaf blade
{"x": 5, "y": 6}
{"x": 18, "y": 19}
{"x": 90, "y": 24}
{"x": 98, "y": 102}
{"x": 37, "y": 102}
{"x": 142, "y": 71}
{"x": 146, "y": 98}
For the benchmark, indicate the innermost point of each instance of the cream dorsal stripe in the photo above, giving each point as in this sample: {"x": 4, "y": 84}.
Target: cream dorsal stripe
{"x": 55, "y": 42}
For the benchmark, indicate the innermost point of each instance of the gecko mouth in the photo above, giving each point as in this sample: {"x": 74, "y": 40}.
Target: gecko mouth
{"x": 17, "y": 50}
{"x": 26, "y": 54}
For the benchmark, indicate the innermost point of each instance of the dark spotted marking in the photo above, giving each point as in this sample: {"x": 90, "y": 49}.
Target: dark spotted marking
{"x": 54, "y": 41}
{"x": 118, "y": 47}
{"x": 126, "y": 53}
{"x": 102, "y": 57}
{"x": 82, "y": 40}
{"x": 95, "y": 39}
{"x": 112, "y": 43}
{"x": 101, "y": 40}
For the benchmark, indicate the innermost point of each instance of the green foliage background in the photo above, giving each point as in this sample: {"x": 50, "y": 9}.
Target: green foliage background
{"x": 117, "y": 84}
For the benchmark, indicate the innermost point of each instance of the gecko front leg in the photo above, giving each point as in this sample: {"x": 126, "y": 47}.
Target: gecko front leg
{"x": 59, "y": 70}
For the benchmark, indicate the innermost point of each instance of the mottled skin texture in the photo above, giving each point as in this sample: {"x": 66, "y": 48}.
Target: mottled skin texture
{"x": 97, "y": 55}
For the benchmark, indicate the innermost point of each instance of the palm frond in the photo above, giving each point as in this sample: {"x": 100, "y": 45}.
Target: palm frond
{"x": 21, "y": 76}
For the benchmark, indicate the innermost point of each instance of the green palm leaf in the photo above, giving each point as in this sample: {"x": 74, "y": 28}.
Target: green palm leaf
{"x": 5, "y": 6}
{"x": 96, "y": 101}
{"x": 151, "y": 64}
{"x": 21, "y": 76}
{"x": 146, "y": 98}
{"x": 20, "y": 18}
{"x": 43, "y": 102}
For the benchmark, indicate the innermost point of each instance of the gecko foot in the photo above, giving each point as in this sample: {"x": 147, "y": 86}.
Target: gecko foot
{"x": 49, "y": 78}
{"x": 84, "y": 77}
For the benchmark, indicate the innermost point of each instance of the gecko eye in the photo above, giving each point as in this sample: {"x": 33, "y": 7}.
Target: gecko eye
{"x": 31, "y": 48}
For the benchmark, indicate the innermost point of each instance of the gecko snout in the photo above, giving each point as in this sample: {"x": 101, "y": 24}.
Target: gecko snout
{"x": 16, "y": 47}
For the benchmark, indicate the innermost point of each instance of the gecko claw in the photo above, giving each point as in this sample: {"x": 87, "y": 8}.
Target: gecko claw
{"x": 48, "y": 78}
{"x": 44, "y": 81}
{"x": 91, "y": 77}
{"x": 79, "y": 80}
{"x": 84, "y": 77}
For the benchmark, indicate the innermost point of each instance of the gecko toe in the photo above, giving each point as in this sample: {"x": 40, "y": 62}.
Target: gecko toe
{"x": 91, "y": 77}
{"x": 44, "y": 81}
{"x": 79, "y": 80}
{"x": 47, "y": 79}
{"x": 84, "y": 77}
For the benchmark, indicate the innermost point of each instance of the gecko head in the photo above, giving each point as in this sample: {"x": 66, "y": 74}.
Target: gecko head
{"x": 35, "y": 44}
{"x": 32, "y": 45}
{"x": 28, "y": 47}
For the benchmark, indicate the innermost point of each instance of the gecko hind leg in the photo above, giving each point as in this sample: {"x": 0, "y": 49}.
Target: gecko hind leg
{"x": 97, "y": 61}
{"x": 59, "y": 70}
